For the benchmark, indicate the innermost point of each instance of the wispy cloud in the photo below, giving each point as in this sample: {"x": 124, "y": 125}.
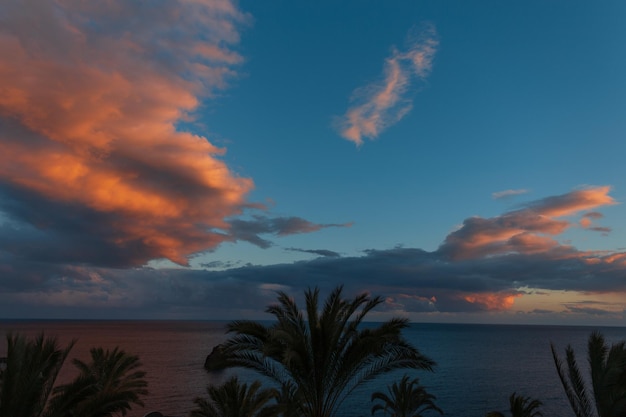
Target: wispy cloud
{"x": 382, "y": 104}
{"x": 319, "y": 252}
{"x": 250, "y": 230}
{"x": 587, "y": 222}
{"x": 508, "y": 193}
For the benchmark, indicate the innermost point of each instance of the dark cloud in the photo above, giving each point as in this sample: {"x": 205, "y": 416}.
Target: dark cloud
{"x": 411, "y": 279}
{"x": 320, "y": 252}
{"x": 589, "y": 310}
{"x": 541, "y": 311}
{"x": 221, "y": 264}
{"x": 249, "y": 230}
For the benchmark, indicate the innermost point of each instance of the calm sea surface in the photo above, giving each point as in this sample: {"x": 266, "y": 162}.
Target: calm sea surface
{"x": 479, "y": 366}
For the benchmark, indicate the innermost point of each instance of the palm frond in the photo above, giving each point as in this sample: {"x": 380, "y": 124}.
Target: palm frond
{"x": 324, "y": 356}
{"x": 232, "y": 398}
{"x": 31, "y": 371}
{"x": 521, "y": 406}
{"x": 110, "y": 383}
{"x": 406, "y": 398}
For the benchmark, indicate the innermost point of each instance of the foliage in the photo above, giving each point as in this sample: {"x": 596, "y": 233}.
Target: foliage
{"x": 319, "y": 360}
{"x": 406, "y": 398}
{"x": 607, "y": 395}
{"x": 109, "y": 384}
{"x": 520, "y": 406}
{"x": 233, "y": 399}
{"x": 524, "y": 406}
{"x": 31, "y": 370}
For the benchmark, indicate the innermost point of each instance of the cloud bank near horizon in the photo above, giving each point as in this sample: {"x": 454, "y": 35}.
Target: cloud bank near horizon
{"x": 485, "y": 266}
{"x": 379, "y": 105}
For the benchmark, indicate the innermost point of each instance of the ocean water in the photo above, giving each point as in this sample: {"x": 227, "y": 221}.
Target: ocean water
{"x": 479, "y": 366}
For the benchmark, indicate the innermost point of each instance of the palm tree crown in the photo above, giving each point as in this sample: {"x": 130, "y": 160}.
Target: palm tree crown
{"x": 520, "y": 406}
{"x": 320, "y": 360}
{"x": 32, "y": 367}
{"x": 406, "y": 399}
{"x": 110, "y": 383}
{"x": 607, "y": 396}
{"x": 233, "y": 399}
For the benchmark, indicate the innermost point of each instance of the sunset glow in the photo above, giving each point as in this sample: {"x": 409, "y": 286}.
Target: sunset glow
{"x": 186, "y": 159}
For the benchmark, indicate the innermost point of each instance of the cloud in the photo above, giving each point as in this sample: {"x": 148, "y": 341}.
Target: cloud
{"x": 221, "y": 264}
{"x": 249, "y": 230}
{"x": 589, "y": 310}
{"x": 94, "y": 167}
{"x": 508, "y": 193}
{"x": 403, "y": 303}
{"x": 527, "y": 230}
{"x": 320, "y": 252}
{"x": 457, "y": 278}
{"x": 586, "y": 222}
{"x": 89, "y": 107}
{"x": 380, "y": 105}
{"x": 593, "y": 215}
{"x": 541, "y": 311}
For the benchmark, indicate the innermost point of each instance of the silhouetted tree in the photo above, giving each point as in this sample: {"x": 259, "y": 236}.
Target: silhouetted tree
{"x": 109, "y": 384}
{"x": 607, "y": 395}
{"x": 318, "y": 360}
{"x": 520, "y": 406}
{"x": 406, "y": 398}
{"x": 32, "y": 367}
{"x": 233, "y": 399}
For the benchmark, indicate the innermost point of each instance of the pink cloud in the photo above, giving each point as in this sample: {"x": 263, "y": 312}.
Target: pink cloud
{"x": 527, "y": 230}
{"x": 586, "y": 222}
{"x": 508, "y": 193}
{"x": 492, "y": 301}
{"x": 574, "y": 202}
{"x": 90, "y": 101}
{"x": 378, "y": 106}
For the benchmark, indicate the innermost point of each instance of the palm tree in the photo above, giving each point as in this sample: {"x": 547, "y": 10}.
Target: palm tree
{"x": 318, "y": 361}
{"x": 607, "y": 396}
{"x": 405, "y": 399}
{"x": 524, "y": 406}
{"x": 232, "y": 399}
{"x": 520, "y": 406}
{"x": 32, "y": 367}
{"x": 107, "y": 385}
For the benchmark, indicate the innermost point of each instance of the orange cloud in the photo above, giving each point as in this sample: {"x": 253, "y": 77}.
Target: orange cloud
{"x": 381, "y": 105}
{"x": 89, "y": 104}
{"x": 492, "y": 301}
{"x": 524, "y": 231}
{"x": 574, "y": 202}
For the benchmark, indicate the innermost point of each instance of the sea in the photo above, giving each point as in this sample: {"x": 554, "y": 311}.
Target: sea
{"x": 478, "y": 366}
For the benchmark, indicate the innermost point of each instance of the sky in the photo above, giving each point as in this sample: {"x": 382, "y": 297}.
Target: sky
{"x": 187, "y": 159}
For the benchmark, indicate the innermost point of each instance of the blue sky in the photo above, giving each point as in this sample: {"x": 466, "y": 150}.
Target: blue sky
{"x": 463, "y": 159}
